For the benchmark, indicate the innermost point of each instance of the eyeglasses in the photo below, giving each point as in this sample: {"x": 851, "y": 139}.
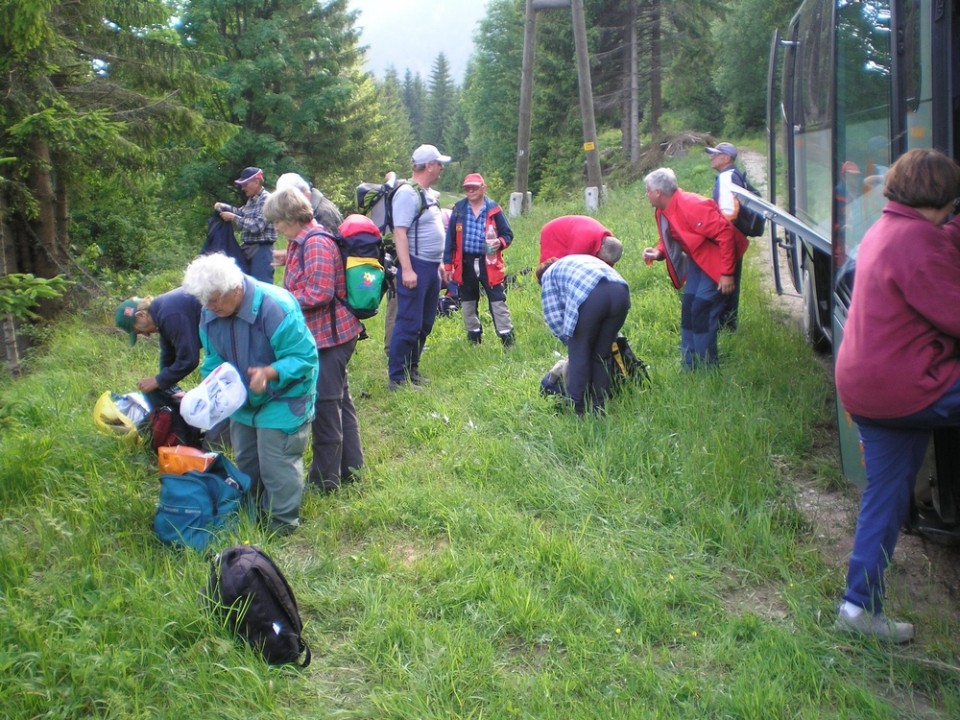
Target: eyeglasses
{"x": 470, "y": 188}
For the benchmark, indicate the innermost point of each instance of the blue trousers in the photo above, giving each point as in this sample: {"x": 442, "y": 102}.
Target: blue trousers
{"x": 700, "y": 312}
{"x": 259, "y": 258}
{"x": 893, "y": 451}
{"x": 416, "y": 313}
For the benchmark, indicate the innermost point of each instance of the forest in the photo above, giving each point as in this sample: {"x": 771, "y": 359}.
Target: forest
{"x": 121, "y": 122}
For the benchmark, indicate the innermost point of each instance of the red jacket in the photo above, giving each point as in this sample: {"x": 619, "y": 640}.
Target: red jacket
{"x": 453, "y": 253}
{"x": 701, "y": 231}
{"x": 571, "y": 235}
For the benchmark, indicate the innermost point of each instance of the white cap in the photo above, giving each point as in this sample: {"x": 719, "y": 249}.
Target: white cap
{"x": 427, "y": 154}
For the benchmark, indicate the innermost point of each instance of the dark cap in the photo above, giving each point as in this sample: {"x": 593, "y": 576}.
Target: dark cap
{"x": 723, "y": 148}
{"x": 248, "y": 174}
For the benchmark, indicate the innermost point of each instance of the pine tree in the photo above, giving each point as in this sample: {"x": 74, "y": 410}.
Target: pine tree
{"x": 85, "y": 87}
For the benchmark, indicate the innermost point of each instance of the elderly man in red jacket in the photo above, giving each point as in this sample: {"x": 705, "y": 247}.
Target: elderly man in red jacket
{"x": 702, "y": 249}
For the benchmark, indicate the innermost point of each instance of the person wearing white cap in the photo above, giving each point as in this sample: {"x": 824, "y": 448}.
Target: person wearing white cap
{"x": 722, "y": 159}
{"x": 256, "y": 234}
{"x": 419, "y": 238}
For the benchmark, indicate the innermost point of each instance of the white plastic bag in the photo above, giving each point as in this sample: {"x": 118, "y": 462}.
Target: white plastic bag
{"x": 220, "y": 395}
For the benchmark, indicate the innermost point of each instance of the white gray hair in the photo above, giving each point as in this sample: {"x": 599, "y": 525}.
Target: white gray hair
{"x": 292, "y": 180}
{"x": 611, "y": 250}
{"x": 214, "y": 274}
{"x": 662, "y": 179}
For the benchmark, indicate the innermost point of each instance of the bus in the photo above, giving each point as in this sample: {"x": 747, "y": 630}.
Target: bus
{"x": 852, "y": 85}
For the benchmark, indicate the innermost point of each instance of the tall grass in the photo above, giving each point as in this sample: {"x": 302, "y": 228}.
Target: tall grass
{"x": 498, "y": 559}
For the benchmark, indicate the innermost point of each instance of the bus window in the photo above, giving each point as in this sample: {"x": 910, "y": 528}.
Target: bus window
{"x": 813, "y": 136}
{"x": 917, "y": 57}
{"x": 863, "y": 120}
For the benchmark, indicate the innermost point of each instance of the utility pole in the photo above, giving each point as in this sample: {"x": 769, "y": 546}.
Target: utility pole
{"x": 520, "y": 199}
{"x": 586, "y": 106}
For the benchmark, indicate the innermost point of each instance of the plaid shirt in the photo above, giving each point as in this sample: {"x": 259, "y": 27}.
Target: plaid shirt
{"x": 249, "y": 220}
{"x": 314, "y": 272}
{"x": 566, "y": 284}
{"x": 474, "y": 229}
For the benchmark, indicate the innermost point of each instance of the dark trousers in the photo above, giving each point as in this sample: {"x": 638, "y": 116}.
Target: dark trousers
{"x": 260, "y": 257}
{"x": 601, "y": 316}
{"x": 730, "y": 317}
{"x": 416, "y": 313}
{"x": 337, "y": 452}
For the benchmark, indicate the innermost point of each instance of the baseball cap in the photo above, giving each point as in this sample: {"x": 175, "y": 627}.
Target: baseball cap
{"x": 473, "y": 179}
{"x": 248, "y": 174}
{"x": 850, "y": 167}
{"x": 427, "y": 154}
{"x": 126, "y": 316}
{"x": 723, "y": 148}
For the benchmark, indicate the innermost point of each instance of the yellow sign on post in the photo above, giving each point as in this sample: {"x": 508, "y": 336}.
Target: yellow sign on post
{"x": 589, "y": 146}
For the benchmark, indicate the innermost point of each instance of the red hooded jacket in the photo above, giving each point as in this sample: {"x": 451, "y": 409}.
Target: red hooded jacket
{"x": 698, "y": 228}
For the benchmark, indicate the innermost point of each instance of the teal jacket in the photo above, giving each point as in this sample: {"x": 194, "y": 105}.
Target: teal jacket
{"x": 267, "y": 329}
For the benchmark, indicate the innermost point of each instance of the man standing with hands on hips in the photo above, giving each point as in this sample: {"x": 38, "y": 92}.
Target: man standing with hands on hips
{"x": 257, "y": 236}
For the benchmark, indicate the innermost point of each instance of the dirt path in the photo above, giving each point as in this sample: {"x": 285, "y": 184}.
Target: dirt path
{"x": 924, "y": 579}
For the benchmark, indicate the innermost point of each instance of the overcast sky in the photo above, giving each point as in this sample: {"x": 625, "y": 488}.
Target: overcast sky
{"x": 411, "y": 33}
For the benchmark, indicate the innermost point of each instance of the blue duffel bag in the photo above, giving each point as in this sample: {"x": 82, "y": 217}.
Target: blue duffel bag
{"x": 194, "y": 505}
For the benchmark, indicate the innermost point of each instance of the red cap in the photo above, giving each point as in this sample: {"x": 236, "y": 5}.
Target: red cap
{"x": 850, "y": 167}
{"x": 473, "y": 179}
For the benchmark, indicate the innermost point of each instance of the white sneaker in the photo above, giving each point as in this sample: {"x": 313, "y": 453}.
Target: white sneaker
{"x": 875, "y": 625}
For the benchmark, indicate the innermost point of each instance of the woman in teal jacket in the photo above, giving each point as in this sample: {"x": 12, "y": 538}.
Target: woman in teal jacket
{"x": 260, "y": 330}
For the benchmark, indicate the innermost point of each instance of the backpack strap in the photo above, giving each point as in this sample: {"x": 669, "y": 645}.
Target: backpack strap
{"x": 336, "y": 298}
{"x": 422, "y": 206}
{"x": 280, "y": 589}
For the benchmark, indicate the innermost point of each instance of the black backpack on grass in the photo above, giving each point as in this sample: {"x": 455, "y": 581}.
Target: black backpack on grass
{"x": 624, "y": 365}
{"x": 248, "y": 592}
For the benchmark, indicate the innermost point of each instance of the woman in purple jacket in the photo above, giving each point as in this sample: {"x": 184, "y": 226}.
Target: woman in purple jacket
{"x": 898, "y": 368}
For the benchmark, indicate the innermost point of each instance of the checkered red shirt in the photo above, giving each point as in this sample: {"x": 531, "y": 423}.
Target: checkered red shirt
{"x": 314, "y": 271}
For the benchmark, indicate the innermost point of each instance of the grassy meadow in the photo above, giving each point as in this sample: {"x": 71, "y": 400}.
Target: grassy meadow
{"x": 499, "y": 559}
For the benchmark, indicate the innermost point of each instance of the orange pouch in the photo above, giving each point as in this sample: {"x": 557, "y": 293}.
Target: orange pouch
{"x": 179, "y": 459}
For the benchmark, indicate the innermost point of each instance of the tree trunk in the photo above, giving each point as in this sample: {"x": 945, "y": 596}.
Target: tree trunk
{"x": 656, "y": 71}
{"x": 633, "y": 89}
{"x": 50, "y": 257}
{"x": 8, "y": 326}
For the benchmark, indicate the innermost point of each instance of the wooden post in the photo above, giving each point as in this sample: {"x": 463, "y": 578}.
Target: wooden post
{"x": 590, "y": 148}
{"x": 526, "y": 102}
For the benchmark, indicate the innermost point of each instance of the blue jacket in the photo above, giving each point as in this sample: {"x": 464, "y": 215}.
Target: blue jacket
{"x": 177, "y": 317}
{"x": 221, "y": 238}
{"x": 267, "y": 329}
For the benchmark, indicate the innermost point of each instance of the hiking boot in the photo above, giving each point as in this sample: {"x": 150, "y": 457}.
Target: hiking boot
{"x": 417, "y": 379}
{"x": 393, "y": 385}
{"x": 475, "y": 338}
{"x": 508, "y": 339}
{"x": 875, "y": 625}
